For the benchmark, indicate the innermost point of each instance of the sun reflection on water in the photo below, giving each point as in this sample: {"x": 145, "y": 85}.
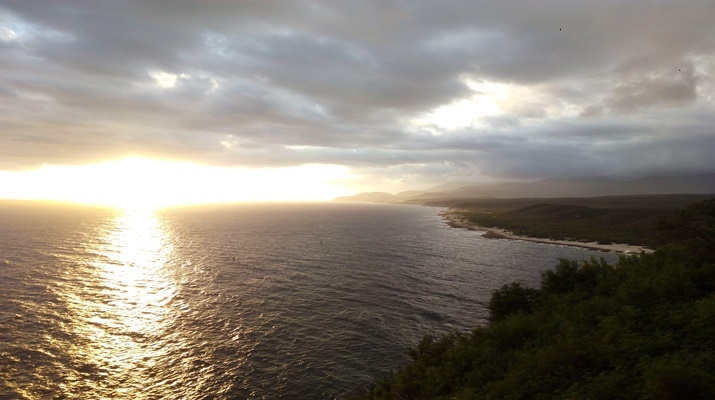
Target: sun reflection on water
{"x": 121, "y": 305}
{"x": 135, "y": 279}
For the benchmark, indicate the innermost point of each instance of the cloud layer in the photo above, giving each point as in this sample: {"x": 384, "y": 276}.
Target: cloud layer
{"x": 406, "y": 92}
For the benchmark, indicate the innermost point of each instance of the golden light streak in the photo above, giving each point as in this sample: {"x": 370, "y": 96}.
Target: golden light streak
{"x": 140, "y": 183}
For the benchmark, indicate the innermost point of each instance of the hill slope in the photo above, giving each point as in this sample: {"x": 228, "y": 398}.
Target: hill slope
{"x": 631, "y": 220}
{"x": 550, "y": 188}
{"x": 641, "y": 329}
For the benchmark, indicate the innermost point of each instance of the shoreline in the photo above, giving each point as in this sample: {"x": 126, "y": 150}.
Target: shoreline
{"x": 453, "y": 219}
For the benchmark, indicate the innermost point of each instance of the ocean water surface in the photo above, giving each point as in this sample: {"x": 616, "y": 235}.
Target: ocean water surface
{"x": 276, "y": 301}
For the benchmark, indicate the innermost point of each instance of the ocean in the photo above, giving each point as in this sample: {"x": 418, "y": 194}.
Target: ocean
{"x": 251, "y": 301}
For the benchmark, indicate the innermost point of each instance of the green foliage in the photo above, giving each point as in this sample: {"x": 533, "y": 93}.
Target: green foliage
{"x": 694, "y": 228}
{"x": 641, "y": 329}
{"x": 510, "y": 299}
{"x": 612, "y": 219}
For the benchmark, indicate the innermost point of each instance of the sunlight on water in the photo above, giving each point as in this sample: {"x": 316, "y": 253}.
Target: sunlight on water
{"x": 263, "y": 302}
{"x": 122, "y": 307}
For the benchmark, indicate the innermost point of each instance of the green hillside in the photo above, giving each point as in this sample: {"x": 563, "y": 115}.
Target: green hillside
{"x": 641, "y": 329}
{"x": 633, "y": 220}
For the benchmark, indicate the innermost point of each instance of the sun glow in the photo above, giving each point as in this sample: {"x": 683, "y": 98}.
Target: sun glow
{"x": 487, "y": 99}
{"x": 140, "y": 183}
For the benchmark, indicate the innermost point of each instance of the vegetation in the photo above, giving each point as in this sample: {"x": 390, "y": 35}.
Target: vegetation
{"x": 612, "y": 219}
{"x": 641, "y": 329}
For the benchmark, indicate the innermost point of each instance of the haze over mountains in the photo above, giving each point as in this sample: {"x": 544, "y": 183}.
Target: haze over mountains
{"x": 547, "y": 188}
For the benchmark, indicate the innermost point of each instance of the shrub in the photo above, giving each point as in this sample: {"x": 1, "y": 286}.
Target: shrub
{"x": 510, "y": 299}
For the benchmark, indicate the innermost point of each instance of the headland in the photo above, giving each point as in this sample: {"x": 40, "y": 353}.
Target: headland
{"x": 456, "y": 219}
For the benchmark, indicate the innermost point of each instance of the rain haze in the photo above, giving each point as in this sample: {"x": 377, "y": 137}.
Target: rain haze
{"x": 307, "y": 100}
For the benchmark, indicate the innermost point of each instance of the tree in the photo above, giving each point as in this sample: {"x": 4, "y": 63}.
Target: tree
{"x": 510, "y": 299}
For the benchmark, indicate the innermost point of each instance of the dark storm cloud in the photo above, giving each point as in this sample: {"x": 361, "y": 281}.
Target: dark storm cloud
{"x": 592, "y": 88}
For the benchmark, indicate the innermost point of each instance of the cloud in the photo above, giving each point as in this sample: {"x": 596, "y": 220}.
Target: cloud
{"x": 524, "y": 89}
{"x": 667, "y": 87}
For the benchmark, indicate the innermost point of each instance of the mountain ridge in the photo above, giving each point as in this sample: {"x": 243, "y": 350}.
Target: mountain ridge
{"x": 549, "y": 188}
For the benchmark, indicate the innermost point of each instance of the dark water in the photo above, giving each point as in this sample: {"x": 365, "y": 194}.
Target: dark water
{"x": 254, "y": 301}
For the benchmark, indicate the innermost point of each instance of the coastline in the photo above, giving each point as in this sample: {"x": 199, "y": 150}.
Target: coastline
{"x": 454, "y": 219}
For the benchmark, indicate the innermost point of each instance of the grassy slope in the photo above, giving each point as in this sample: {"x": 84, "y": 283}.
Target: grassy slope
{"x": 613, "y": 219}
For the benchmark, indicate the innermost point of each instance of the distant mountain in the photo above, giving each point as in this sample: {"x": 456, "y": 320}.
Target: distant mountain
{"x": 371, "y": 197}
{"x": 550, "y": 188}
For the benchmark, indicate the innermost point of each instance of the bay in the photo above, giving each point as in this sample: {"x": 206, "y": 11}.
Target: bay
{"x": 265, "y": 301}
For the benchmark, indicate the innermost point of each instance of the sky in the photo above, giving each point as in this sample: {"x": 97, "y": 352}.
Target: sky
{"x": 264, "y": 100}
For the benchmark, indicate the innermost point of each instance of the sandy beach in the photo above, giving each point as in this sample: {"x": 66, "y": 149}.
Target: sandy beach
{"x": 455, "y": 219}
